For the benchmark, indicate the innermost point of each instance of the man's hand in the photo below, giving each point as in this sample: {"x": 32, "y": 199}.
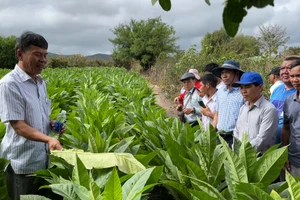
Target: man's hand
{"x": 206, "y": 111}
{"x": 54, "y": 144}
{"x": 188, "y": 111}
{"x": 179, "y": 107}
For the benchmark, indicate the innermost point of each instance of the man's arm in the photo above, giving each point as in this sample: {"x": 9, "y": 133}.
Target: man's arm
{"x": 30, "y": 133}
{"x": 215, "y": 120}
{"x": 285, "y": 135}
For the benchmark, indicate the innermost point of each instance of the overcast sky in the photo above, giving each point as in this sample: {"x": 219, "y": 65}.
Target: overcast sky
{"x": 84, "y": 26}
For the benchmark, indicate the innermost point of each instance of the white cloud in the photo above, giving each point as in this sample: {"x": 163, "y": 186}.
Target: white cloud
{"x": 76, "y": 26}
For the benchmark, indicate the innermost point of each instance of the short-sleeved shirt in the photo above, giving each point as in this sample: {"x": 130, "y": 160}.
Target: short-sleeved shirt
{"x": 24, "y": 99}
{"x": 291, "y": 111}
{"x": 259, "y": 122}
{"x": 278, "y": 97}
{"x": 229, "y": 102}
{"x": 211, "y": 103}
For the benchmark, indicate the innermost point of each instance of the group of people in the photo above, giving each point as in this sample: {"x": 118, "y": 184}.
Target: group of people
{"x": 232, "y": 101}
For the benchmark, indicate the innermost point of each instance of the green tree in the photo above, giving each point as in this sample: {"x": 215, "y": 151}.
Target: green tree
{"x": 7, "y": 52}
{"x": 219, "y": 45}
{"x": 271, "y": 37}
{"x": 292, "y": 51}
{"x": 233, "y": 13}
{"x": 144, "y": 41}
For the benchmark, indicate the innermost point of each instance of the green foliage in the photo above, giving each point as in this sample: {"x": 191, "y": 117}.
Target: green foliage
{"x": 77, "y": 60}
{"x": 7, "y": 52}
{"x": 219, "y": 45}
{"x": 144, "y": 41}
{"x": 3, "y": 190}
{"x": 233, "y": 13}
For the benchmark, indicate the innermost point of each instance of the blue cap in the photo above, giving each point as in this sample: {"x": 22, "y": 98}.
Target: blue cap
{"x": 249, "y": 78}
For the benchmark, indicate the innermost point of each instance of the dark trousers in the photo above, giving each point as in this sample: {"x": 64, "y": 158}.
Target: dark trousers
{"x": 228, "y": 137}
{"x": 19, "y": 184}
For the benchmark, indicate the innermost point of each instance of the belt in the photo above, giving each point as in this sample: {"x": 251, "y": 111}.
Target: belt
{"x": 226, "y": 134}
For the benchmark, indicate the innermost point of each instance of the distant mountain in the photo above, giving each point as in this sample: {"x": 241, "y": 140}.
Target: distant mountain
{"x": 95, "y": 56}
{"x": 99, "y": 56}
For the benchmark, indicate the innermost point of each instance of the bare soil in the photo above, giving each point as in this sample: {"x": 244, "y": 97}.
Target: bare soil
{"x": 164, "y": 102}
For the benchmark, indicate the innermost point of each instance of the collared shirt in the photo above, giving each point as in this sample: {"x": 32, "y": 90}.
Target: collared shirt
{"x": 211, "y": 103}
{"x": 221, "y": 85}
{"x": 192, "y": 103}
{"x": 292, "y": 117}
{"x": 275, "y": 85}
{"x": 228, "y": 106}
{"x": 24, "y": 99}
{"x": 259, "y": 122}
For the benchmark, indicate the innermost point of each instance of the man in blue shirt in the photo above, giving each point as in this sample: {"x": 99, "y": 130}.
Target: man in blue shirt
{"x": 229, "y": 99}
{"x": 282, "y": 92}
{"x": 291, "y": 123}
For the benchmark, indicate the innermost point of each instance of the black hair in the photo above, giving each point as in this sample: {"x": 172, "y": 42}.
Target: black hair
{"x": 29, "y": 38}
{"x": 256, "y": 84}
{"x": 209, "y": 78}
{"x": 210, "y": 66}
{"x": 291, "y": 58}
{"x": 296, "y": 63}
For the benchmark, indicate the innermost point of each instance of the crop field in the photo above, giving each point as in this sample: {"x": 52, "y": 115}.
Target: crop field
{"x": 120, "y": 145}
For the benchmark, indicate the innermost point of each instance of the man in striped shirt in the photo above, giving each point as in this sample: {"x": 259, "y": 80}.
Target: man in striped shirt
{"x": 25, "y": 110}
{"x": 229, "y": 99}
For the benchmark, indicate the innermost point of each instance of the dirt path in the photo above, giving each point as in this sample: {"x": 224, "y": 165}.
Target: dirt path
{"x": 164, "y": 102}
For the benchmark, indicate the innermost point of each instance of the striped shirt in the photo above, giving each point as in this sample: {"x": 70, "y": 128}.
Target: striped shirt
{"x": 228, "y": 106}
{"x": 23, "y": 99}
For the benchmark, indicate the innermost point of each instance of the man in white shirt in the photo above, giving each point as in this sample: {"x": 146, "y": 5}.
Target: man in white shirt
{"x": 208, "y": 108}
{"x": 274, "y": 78}
{"x": 257, "y": 117}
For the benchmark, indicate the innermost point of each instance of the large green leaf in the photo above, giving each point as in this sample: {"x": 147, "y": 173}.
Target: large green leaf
{"x": 262, "y": 3}
{"x": 207, "y": 188}
{"x": 165, "y": 4}
{"x": 248, "y": 189}
{"x": 82, "y": 192}
{"x": 235, "y": 167}
{"x": 269, "y": 166}
{"x": 113, "y": 189}
{"x": 125, "y": 162}
{"x": 195, "y": 171}
{"x": 230, "y": 27}
{"x": 33, "y": 197}
{"x": 135, "y": 184}
{"x": 178, "y": 187}
{"x": 202, "y": 195}
{"x": 275, "y": 195}
{"x": 294, "y": 188}
{"x": 80, "y": 174}
{"x": 247, "y": 153}
{"x": 66, "y": 190}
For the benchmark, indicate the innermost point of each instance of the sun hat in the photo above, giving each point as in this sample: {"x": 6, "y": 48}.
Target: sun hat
{"x": 249, "y": 78}
{"x": 228, "y": 64}
{"x": 195, "y": 72}
{"x": 186, "y": 76}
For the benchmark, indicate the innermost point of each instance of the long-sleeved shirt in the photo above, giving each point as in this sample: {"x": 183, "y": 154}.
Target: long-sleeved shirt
{"x": 259, "y": 122}
{"x": 192, "y": 103}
